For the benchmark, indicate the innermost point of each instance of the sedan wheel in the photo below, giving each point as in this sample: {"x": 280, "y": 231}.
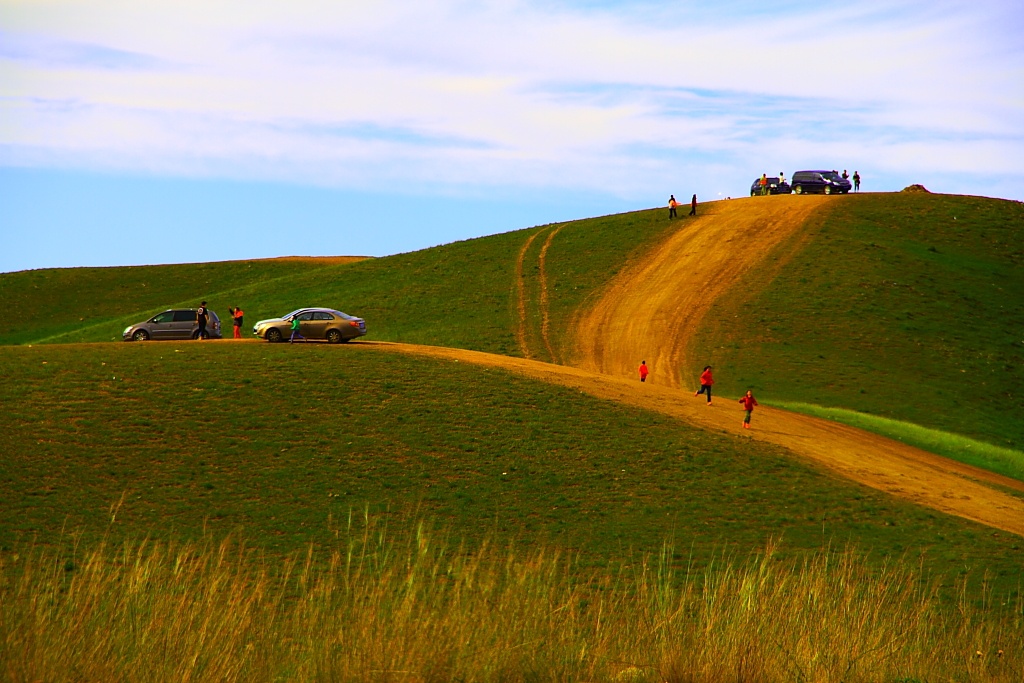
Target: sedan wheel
{"x": 140, "y": 335}
{"x": 333, "y": 336}
{"x": 274, "y": 335}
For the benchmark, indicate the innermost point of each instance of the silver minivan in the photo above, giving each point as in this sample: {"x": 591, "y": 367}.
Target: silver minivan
{"x": 175, "y": 323}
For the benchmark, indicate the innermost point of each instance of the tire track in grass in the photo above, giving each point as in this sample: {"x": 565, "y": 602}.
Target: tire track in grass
{"x": 545, "y": 324}
{"x": 521, "y": 327}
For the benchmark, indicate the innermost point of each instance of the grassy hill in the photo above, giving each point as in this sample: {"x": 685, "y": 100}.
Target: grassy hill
{"x": 895, "y": 305}
{"x": 901, "y": 306}
{"x": 278, "y": 444}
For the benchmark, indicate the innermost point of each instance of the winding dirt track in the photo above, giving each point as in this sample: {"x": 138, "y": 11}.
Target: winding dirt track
{"x": 652, "y": 310}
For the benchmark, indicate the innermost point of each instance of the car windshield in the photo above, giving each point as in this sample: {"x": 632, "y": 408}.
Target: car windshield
{"x": 831, "y": 175}
{"x": 344, "y": 316}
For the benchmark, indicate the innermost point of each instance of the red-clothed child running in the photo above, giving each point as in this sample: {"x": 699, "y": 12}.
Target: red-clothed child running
{"x": 643, "y": 371}
{"x": 748, "y": 402}
{"x": 705, "y": 383}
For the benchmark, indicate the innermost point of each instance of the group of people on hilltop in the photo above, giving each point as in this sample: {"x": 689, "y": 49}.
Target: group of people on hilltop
{"x": 763, "y": 180}
{"x": 672, "y": 204}
{"x": 706, "y": 381}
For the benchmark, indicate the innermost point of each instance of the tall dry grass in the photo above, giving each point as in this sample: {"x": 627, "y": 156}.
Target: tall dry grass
{"x": 374, "y": 610}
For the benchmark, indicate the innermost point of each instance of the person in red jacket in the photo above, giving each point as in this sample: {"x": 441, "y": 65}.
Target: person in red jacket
{"x": 705, "y": 383}
{"x": 643, "y": 371}
{"x": 236, "y": 317}
{"x": 748, "y": 402}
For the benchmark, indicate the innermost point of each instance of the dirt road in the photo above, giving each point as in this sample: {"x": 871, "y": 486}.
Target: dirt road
{"x": 652, "y": 310}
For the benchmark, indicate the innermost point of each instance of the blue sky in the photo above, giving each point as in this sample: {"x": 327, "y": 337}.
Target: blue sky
{"x": 162, "y": 132}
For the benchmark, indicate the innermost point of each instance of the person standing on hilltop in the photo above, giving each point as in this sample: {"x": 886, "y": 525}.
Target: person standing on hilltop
{"x": 748, "y": 402}
{"x": 201, "y": 315}
{"x": 643, "y": 371}
{"x": 672, "y": 204}
{"x": 706, "y": 380}
{"x": 763, "y": 182}
{"x": 856, "y": 181}
{"x": 693, "y": 205}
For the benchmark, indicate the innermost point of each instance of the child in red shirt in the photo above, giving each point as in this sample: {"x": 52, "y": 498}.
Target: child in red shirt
{"x": 705, "y": 383}
{"x": 748, "y": 402}
{"x": 643, "y": 371}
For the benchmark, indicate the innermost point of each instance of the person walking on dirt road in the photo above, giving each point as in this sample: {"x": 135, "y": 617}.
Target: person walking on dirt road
{"x": 705, "y": 383}
{"x": 748, "y": 402}
{"x": 672, "y": 204}
{"x": 693, "y": 205}
{"x": 295, "y": 331}
{"x": 643, "y": 371}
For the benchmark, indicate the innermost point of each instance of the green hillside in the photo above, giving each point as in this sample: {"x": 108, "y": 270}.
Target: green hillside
{"x": 902, "y": 306}
{"x": 461, "y": 294}
{"x": 897, "y": 305}
{"x": 277, "y": 444}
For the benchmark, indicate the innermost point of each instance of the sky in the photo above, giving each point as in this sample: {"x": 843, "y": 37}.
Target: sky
{"x": 173, "y": 131}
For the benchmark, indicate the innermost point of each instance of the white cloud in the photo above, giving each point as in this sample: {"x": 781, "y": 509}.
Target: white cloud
{"x": 504, "y": 93}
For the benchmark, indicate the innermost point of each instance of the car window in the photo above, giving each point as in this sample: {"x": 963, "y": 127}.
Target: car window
{"x": 165, "y": 317}
{"x": 344, "y": 316}
{"x": 184, "y": 316}
{"x": 321, "y": 315}
{"x": 831, "y": 176}
{"x": 308, "y": 315}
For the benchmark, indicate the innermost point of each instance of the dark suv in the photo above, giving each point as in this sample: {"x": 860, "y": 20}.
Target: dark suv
{"x": 177, "y": 323}
{"x": 827, "y": 182}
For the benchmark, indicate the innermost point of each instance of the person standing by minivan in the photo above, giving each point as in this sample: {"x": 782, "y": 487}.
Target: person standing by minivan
{"x": 763, "y": 182}
{"x": 236, "y": 318}
{"x": 201, "y": 315}
{"x": 856, "y": 181}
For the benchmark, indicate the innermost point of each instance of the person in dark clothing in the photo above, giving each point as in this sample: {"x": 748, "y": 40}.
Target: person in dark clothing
{"x": 201, "y": 316}
{"x": 706, "y": 380}
{"x": 856, "y": 181}
{"x": 693, "y": 205}
{"x": 672, "y": 204}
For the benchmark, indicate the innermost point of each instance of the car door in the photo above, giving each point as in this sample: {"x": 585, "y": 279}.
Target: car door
{"x": 161, "y": 325}
{"x": 319, "y": 324}
{"x": 305, "y": 324}
{"x": 184, "y": 324}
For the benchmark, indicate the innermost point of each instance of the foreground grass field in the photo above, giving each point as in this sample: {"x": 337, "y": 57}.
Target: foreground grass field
{"x": 369, "y": 609}
{"x": 277, "y": 443}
